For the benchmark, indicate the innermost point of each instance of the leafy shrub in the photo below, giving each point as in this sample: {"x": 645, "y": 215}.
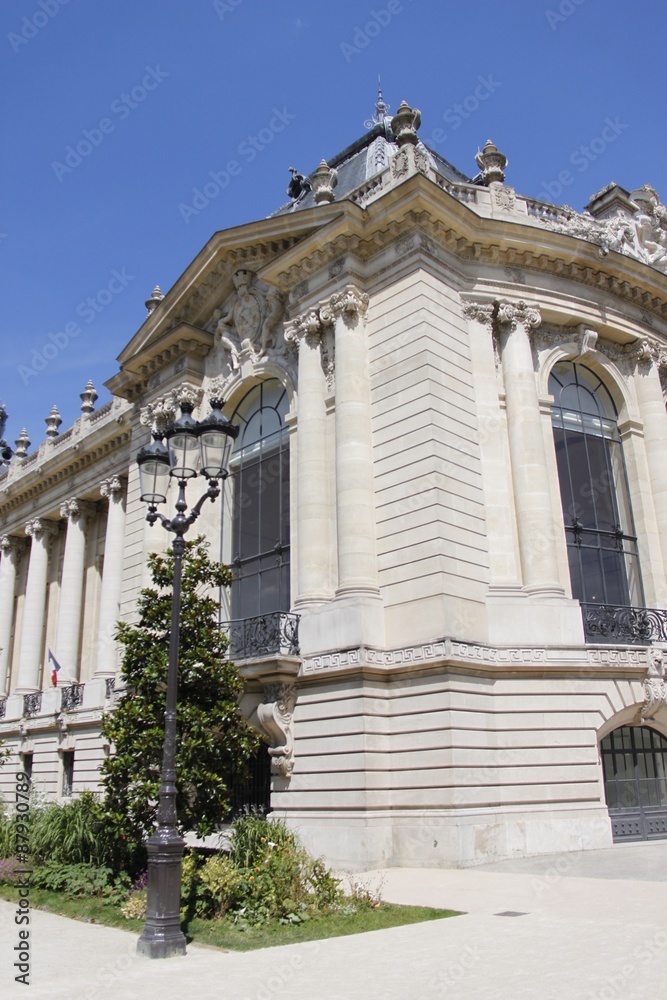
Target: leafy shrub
{"x": 68, "y": 834}
{"x": 220, "y": 882}
{"x": 135, "y": 907}
{"x": 7, "y": 836}
{"x": 11, "y": 870}
{"x": 72, "y": 880}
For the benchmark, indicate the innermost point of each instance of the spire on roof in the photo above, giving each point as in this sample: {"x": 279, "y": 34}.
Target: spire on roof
{"x": 381, "y": 110}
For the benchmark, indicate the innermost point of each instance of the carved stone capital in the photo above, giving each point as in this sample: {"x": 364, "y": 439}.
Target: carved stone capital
{"x": 481, "y": 312}
{"x": 38, "y": 527}
{"x": 9, "y": 545}
{"x": 112, "y": 488}
{"x": 274, "y": 718}
{"x": 162, "y": 411}
{"x": 349, "y": 303}
{"x": 307, "y": 326}
{"x": 518, "y": 313}
{"x": 74, "y": 509}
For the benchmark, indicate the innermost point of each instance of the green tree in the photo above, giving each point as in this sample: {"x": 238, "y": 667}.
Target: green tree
{"x": 212, "y": 738}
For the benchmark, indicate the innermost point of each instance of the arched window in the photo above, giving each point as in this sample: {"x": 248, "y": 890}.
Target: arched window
{"x": 601, "y": 541}
{"x": 261, "y": 526}
{"x": 634, "y": 760}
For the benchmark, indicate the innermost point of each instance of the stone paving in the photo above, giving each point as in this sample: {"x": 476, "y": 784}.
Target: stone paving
{"x": 584, "y": 926}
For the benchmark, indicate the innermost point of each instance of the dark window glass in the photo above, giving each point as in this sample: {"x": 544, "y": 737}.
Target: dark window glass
{"x": 261, "y": 528}
{"x": 602, "y": 546}
{"x": 27, "y": 765}
{"x": 68, "y": 772}
{"x": 634, "y": 760}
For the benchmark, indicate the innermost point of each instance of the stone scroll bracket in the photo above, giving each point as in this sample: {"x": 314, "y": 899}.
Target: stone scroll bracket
{"x": 655, "y": 689}
{"x": 272, "y": 718}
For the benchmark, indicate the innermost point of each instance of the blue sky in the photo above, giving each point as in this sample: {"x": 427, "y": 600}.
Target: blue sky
{"x": 158, "y": 94}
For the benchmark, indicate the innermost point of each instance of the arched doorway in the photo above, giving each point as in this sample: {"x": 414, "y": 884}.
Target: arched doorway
{"x": 634, "y": 761}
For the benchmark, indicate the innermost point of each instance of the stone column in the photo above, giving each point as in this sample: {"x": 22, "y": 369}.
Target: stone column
{"x": 112, "y": 577}
{"x": 652, "y": 409}
{"x": 532, "y": 497}
{"x": 355, "y": 495}
{"x": 313, "y": 515}
{"x": 34, "y": 608}
{"x": 504, "y": 571}
{"x": 68, "y": 631}
{"x": 9, "y": 554}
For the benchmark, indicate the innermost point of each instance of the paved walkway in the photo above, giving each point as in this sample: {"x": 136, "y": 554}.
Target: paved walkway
{"x": 585, "y": 926}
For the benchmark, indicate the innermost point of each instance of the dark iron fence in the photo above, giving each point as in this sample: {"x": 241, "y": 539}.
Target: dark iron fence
{"x": 277, "y": 632}
{"x": 624, "y": 625}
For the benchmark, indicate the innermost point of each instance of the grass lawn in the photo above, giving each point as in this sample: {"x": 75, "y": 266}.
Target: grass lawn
{"x": 221, "y": 934}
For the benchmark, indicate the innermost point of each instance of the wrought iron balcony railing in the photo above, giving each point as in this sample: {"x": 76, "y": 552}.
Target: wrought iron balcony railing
{"x": 32, "y": 703}
{"x": 624, "y": 625}
{"x": 3, "y": 707}
{"x": 72, "y": 697}
{"x": 109, "y": 687}
{"x": 277, "y": 632}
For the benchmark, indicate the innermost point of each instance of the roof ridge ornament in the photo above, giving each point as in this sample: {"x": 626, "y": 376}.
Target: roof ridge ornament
{"x": 381, "y": 116}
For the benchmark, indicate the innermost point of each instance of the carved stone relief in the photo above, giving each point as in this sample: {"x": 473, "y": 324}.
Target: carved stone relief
{"x": 246, "y": 326}
{"x": 273, "y": 717}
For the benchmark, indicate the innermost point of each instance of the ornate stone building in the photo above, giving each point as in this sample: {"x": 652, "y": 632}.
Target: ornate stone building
{"x": 446, "y": 513}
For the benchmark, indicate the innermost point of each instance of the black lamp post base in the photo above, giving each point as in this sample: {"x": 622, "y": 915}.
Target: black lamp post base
{"x": 162, "y": 936}
{"x": 161, "y": 945}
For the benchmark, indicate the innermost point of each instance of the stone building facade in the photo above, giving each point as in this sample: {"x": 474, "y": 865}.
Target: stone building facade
{"x": 446, "y": 513}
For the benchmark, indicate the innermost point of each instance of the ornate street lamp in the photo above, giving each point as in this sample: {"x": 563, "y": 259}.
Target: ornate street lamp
{"x": 189, "y": 445}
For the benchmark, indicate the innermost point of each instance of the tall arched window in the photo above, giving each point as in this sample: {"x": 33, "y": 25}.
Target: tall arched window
{"x": 261, "y": 526}
{"x": 601, "y": 541}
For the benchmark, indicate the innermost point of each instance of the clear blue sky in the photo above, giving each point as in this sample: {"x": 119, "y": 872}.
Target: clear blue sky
{"x": 157, "y": 94}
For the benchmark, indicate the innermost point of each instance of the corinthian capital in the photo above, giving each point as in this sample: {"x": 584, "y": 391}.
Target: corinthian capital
{"x": 111, "y": 488}
{"x": 515, "y": 313}
{"x": 39, "y": 527}
{"x": 350, "y": 302}
{"x": 307, "y": 326}
{"x": 482, "y": 312}
{"x": 74, "y": 509}
{"x": 8, "y": 545}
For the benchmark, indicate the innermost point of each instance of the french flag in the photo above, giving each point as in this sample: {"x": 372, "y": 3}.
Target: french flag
{"x": 55, "y": 667}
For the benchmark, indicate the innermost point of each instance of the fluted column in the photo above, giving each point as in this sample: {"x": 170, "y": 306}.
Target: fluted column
{"x": 112, "y": 577}
{"x": 313, "y": 517}
{"x": 9, "y": 550}
{"x": 68, "y": 632}
{"x": 34, "y": 608}
{"x": 355, "y": 496}
{"x": 532, "y": 497}
{"x": 652, "y": 408}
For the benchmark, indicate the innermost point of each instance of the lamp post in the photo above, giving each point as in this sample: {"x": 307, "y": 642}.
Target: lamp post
{"x": 188, "y": 443}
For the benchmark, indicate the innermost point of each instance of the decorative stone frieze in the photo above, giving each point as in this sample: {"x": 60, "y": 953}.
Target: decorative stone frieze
{"x": 273, "y": 717}
{"x": 642, "y": 236}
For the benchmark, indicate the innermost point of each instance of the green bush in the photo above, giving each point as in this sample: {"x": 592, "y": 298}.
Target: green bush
{"x": 68, "y": 834}
{"x": 72, "y": 880}
{"x": 7, "y": 836}
{"x": 268, "y": 875}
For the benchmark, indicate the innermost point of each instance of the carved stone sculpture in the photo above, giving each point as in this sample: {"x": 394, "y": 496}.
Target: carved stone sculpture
{"x": 273, "y": 717}
{"x": 249, "y": 322}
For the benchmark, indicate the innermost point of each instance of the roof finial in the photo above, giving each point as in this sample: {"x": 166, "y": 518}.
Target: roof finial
{"x": 381, "y": 109}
